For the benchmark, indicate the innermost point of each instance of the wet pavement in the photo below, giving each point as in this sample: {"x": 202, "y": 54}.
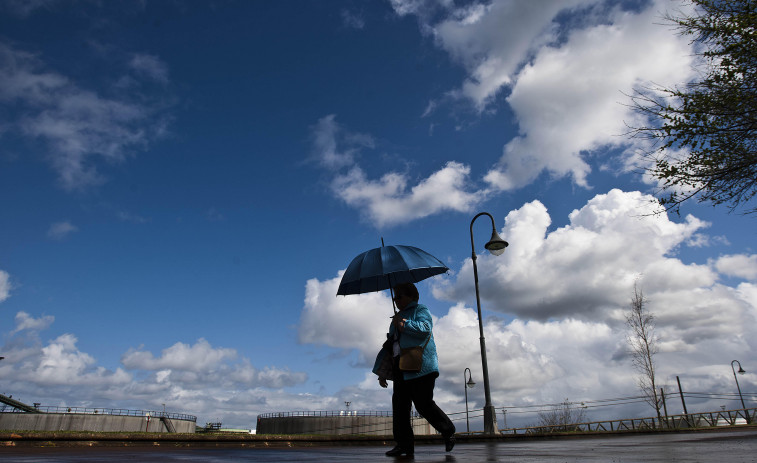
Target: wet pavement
{"x": 721, "y": 447}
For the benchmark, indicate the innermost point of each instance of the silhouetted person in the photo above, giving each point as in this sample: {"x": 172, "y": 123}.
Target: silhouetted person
{"x": 411, "y": 326}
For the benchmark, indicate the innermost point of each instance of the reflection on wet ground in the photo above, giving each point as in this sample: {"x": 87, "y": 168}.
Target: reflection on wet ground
{"x": 731, "y": 447}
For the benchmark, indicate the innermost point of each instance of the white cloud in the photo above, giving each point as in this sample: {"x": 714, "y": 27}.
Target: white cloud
{"x": 586, "y": 268}
{"x": 80, "y": 126}
{"x": 569, "y": 66}
{"x": 180, "y": 356}
{"x": 5, "y": 285}
{"x": 569, "y": 99}
{"x": 559, "y": 298}
{"x": 60, "y": 230}
{"x": 24, "y": 321}
{"x": 344, "y": 322}
{"x": 738, "y": 265}
{"x": 493, "y": 40}
{"x": 199, "y": 379}
{"x": 391, "y": 199}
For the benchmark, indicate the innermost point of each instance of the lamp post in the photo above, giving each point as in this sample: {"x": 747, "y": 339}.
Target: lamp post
{"x": 496, "y": 246}
{"x": 741, "y": 372}
{"x": 467, "y": 384}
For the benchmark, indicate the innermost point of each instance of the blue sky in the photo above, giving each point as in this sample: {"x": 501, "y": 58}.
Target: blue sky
{"x": 183, "y": 182}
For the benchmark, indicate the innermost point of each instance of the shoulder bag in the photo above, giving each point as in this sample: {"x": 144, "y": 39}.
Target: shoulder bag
{"x": 411, "y": 358}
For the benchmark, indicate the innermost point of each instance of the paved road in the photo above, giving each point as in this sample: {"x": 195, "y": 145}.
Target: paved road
{"x": 721, "y": 447}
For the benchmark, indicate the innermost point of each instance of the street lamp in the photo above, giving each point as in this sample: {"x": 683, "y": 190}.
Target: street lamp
{"x": 467, "y": 384}
{"x": 496, "y": 246}
{"x": 741, "y": 372}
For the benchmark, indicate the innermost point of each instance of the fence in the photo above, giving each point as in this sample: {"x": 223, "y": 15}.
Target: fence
{"x": 104, "y": 411}
{"x": 327, "y": 413}
{"x": 687, "y": 421}
{"x": 353, "y": 422}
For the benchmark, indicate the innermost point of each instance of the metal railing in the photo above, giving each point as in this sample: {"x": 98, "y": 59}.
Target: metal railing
{"x": 105, "y": 411}
{"x": 687, "y": 421}
{"x": 329, "y": 413}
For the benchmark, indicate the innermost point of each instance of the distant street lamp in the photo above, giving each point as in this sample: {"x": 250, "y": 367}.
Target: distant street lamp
{"x": 741, "y": 372}
{"x": 468, "y": 383}
{"x": 496, "y": 246}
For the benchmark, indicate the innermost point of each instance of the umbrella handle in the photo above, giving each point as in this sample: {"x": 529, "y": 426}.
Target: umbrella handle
{"x": 394, "y": 305}
{"x": 391, "y": 291}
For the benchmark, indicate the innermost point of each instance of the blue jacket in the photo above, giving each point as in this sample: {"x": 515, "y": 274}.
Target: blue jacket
{"x": 417, "y": 329}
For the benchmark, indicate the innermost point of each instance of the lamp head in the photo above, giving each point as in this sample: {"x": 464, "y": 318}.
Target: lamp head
{"x": 741, "y": 370}
{"x": 496, "y": 245}
{"x": 470, "y": 383}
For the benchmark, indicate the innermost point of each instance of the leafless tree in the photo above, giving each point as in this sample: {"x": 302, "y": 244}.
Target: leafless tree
{"x": 562, "y": 417}
{"x": 643, "y": 342}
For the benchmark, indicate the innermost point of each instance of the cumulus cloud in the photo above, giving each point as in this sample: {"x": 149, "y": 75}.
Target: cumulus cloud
{"x": 740, "y": 266}
{"x": 198, "y": 379}
{"x": 390, "y": 200}
{"x": 529, "y": 362}
{"x": 180, "y": 356}
{"x": 393, "y": 198}
{"x": 357, "y": 321}
{"x": 586, "y": 268}
{"x": 567, "y": 65}
{"x": 60, "y": 230}
{"x": 568, "y": 100}
{"x": 79, "y": 126}
{"x": 554, "y": 306}
{"x": 492, "y": 40}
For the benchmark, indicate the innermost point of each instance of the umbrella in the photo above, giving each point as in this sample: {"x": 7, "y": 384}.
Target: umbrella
{"x": 387, "y": 266}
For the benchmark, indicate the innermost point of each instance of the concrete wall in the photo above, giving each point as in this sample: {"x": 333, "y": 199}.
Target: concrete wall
{"x": 89, "y": 422}
{"x": 336, "y": 425}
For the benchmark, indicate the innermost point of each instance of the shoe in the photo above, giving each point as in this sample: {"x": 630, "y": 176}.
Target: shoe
{"x": 399, "y": 451}
{"x": 449, "y": 442}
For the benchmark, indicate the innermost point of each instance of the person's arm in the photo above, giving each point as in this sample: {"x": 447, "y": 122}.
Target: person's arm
{"x": 419, "y": 324}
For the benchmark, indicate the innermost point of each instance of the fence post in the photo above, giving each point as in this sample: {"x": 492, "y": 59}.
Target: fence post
{"x": 680, "y": 391}
{"x": 664, "y": 407}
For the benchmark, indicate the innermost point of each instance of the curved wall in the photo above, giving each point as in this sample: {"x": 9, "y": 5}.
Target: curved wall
{"x": 335, "y": 425}
{"x": 92, "y": 422}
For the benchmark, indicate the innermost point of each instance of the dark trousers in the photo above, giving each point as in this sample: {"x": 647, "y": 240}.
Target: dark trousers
{"x": 419, "y": 391}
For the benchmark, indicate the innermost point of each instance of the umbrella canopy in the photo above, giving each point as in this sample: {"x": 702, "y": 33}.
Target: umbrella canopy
{"x": 387, "y": 266}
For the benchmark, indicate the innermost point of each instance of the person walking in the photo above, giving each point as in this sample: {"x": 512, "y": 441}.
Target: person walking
{"x": 411, "y": 327}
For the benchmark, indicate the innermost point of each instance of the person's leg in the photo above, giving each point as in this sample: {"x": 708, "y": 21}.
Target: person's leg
{"x": 401, "y": 404}
{"x": 422, "y": 393}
